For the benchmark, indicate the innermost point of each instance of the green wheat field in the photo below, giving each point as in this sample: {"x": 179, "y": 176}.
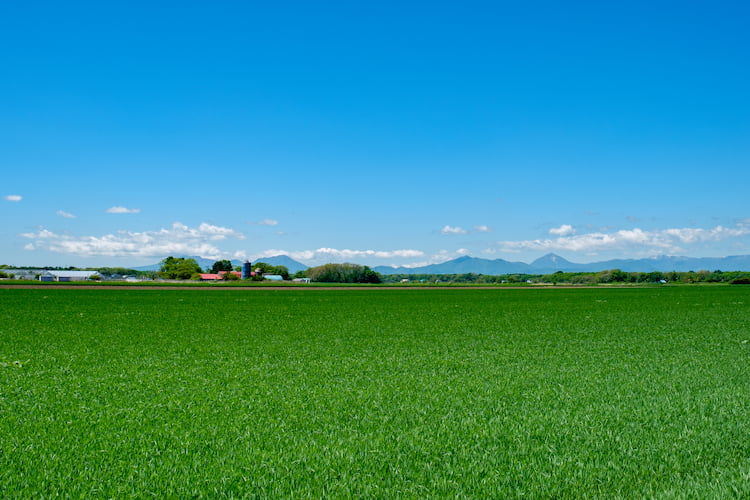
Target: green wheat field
{"x": 553, "y": 393}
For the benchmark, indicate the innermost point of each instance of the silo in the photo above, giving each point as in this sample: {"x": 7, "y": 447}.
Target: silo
{"x": 246, "y": 269}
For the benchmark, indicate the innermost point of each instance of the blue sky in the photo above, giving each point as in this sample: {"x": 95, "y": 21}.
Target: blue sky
{"x": 389, "y": 133}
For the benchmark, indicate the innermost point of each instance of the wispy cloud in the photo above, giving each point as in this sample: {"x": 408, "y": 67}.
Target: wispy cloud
{"x": 123, "y": 210}
{"x": 664, "y": 240}
{"x": 564, "y": 230}
{"x": 67, "y": 215}
{"x": 178, "y": 239}
{"x": 13, "y": 197}
{"x": 447, "y": 229}
{"x": 268, "y": 222}
{"x": 453, "y": 230}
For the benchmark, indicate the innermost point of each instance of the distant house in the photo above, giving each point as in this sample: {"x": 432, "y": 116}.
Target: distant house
{"x": 273, "y": 277}
{"x": 301, "y": 280}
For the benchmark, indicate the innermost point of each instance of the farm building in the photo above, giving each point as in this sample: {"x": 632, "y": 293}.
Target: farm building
{"x": 273, "y": 277}
{"x": 24, "y": 274}
{"x": 236, "y": 273}
{"x": 67, "y": 275}
{"x": 210, "y": 277}
{"x": 218, "y": 276}
{"x": 247, "y": 271}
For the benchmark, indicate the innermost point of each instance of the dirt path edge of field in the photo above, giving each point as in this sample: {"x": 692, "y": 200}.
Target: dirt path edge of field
{"x": 306, "y": 288}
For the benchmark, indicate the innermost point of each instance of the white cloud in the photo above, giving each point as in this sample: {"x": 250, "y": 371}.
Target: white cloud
{"x": 664, "y": 240}
{"x": 13, "y": 197}
{"x": 324, "y": 255}
{"x": 564, "y": 230}
{"x": 267, "y": 222}
{"x": 178, "y": 239}
{"x": 453, "y": 230}
{"x": 123, "y": 210}
{"x": 334, "y": 254}
{"x": 29, "y": 246}
{"x": 67, "y": 215}
{"x": 460, "y": 230}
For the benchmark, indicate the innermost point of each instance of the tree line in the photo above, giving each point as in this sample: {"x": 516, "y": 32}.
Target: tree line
{"x": 581, "y": 278}
{"x": 179, "y": 268}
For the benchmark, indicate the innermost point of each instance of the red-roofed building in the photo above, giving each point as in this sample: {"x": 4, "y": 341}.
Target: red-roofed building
{"x": 236, "y": 273}
{"x": 210, "y": 277}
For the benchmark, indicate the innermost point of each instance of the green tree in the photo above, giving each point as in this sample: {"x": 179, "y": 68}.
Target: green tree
{"x": 618, "y": 276}
{"x": 343, "y": 273}
{"x": 221, "y": 265}
{"x": 109, "y": 271}
{"x": 177, "y": 268}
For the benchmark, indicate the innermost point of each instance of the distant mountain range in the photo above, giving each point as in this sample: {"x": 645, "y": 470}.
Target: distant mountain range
{"x": 551, "y": 263}
{"x": 277, "y": 260}
{"x": 284, "y": 260}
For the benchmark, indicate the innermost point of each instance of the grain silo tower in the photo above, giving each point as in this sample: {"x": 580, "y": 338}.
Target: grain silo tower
{"x": 246, "y": 269}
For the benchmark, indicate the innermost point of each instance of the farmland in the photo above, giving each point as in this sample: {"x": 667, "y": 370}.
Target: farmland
{"x": 406, "y": 393}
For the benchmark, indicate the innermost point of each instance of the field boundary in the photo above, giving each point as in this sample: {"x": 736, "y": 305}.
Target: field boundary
{"x": 310, "y": 288}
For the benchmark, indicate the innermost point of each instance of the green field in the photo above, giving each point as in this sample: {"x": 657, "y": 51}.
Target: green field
{"x": 376, "y": 393}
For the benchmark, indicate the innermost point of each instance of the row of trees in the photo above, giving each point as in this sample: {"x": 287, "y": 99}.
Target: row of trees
{"x": 342, "y": 273}
{"x": 178, "y": 268}
{"x": 618, "y": 276}
{"x": 609, "y": 276}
